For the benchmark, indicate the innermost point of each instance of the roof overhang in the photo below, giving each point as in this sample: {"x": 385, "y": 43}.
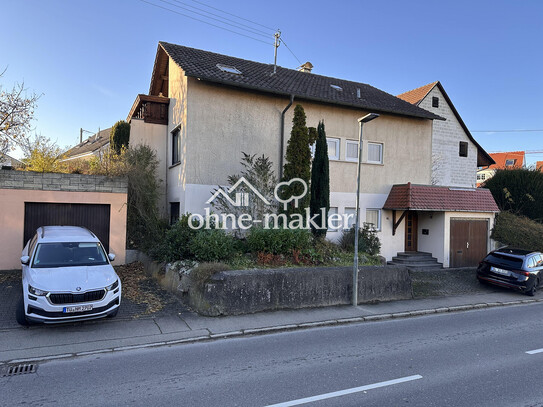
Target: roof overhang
{"x": 432, "y": 198}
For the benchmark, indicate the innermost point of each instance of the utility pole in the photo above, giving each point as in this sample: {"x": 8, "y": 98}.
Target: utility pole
{"x": 276, "y": 45}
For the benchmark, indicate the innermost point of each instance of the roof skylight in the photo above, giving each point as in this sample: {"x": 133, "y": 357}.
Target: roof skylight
{"x": 229, "y": 69}
{"x": 336, "y": 87}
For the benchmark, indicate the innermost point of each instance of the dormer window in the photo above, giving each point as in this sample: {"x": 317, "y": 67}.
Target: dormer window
{"x": 510, "y": 163}
{"x": 336, "y": 87}
{"x": 229, "y": 69}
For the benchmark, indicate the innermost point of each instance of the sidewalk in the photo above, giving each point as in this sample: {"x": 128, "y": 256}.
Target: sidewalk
{"x": 18, "y": 345}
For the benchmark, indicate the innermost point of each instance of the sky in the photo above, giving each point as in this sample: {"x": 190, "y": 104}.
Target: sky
{"x": 90, "y": 59}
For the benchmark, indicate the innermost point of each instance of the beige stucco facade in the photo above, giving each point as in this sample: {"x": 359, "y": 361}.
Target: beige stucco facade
{"x": 12, "y": 216}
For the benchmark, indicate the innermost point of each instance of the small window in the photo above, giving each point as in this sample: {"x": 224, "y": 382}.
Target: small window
{"x": 350, "y": 218}
{"x": 481, "y": 177}
{"x": 336, "y": 87}
{"x": 312, "y": 148}
{"x": 373, "y": 217}
{"x": 333, "y": 148}
{"x": 510, "y": 163}
{"x": 375, "y": 153}
{"x": 229, "y": 69}
{"x": 174, "y": 212}
{"x": 463, "y": 149}
{"x": 176, "y": 147}
{"x": 351, "y": 151}
{"x": 435, "y": 101}
{"x": 333, "y": 223}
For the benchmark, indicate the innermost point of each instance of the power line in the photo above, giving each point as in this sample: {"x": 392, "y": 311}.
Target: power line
{"x": 205, "y": 22}
{"x": 220, "y": 19}
{"x": 283, "y": 41}
{"x": 233, "y": 15}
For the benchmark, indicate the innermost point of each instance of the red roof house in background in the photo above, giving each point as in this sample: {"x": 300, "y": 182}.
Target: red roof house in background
{"x": 507, "y": 160}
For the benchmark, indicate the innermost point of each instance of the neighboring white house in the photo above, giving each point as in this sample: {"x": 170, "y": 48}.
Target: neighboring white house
{"x": 502, "y": 161}
{"x": 455, "y": 153}
{"x": 204, "y": 109}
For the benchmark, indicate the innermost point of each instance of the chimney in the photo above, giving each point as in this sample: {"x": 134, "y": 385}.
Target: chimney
{"x": 307, "y": 67}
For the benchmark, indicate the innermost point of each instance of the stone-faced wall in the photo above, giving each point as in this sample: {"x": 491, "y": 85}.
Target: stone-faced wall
{"x": 248, "y": 291}
{"x": 61, "y": 182}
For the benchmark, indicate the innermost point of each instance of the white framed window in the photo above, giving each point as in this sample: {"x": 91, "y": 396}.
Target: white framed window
{"x": 375, "y": 153}
{"x": 350, "y": 217}
{"x": 312, "y": 148}
{"x": 333, "y": 148}
{"x": 351, "y": 150}
{"x": 176, "y": 147}
{"x": 333, "y": 222}
{"x": 373, "y": 217}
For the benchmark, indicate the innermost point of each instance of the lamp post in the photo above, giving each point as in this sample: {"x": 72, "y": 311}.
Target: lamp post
{"x": 362, "y": 120}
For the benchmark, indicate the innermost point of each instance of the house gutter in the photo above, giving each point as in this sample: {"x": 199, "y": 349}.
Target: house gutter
{"x": 282, "y": 141}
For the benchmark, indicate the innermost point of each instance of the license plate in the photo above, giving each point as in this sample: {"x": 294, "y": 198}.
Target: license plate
{"x": 500, "y": 271}
{"x": 78, "y": 308}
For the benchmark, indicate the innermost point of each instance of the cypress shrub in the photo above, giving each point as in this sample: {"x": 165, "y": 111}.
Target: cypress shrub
{"x": 320, "y": 183}
{"x": 518, "y": 231}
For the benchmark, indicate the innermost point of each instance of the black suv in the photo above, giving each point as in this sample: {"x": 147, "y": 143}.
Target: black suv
{"x": 514, "y": 268}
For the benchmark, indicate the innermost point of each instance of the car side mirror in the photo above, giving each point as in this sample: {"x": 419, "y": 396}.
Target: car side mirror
{"x": 111, "y": 256}
{"x": 25, "y": 259}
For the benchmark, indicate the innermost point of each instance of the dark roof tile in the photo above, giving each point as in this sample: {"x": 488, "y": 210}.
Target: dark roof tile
{"x": 258, "y": 76}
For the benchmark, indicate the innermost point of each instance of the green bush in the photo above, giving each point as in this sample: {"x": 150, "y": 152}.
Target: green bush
{"x": 279, "y": 241}
{"x": 212, "y": 245}
{"x": 175, "y": 244}
{"x": 518, "y": 231}
{"x": 368, "y": 242}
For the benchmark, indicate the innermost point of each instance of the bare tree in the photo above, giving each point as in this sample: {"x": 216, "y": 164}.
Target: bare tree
{"x": 16, "y": 115}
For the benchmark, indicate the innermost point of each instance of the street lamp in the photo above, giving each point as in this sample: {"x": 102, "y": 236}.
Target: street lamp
{"x": 362, "y": 120}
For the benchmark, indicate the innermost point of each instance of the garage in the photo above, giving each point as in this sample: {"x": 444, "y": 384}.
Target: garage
{"x": 469, "y": 242}
{"x": 29, "y": 200}
{"x": 95, "y": 217}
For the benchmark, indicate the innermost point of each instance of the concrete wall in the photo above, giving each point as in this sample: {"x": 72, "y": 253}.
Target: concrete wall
{"x": 156, "y": 137}
{"x": 449, "y": 168}
{"x": 248, "y": 291}
{"x": 18, "y": 187}
{"x": 434, "y": 241}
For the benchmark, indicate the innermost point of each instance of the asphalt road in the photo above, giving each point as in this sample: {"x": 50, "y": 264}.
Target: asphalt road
{"x": 475, "y": 358}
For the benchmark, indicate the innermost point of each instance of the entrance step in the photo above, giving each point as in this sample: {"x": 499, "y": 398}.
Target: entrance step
{"x": 416, "y": 261}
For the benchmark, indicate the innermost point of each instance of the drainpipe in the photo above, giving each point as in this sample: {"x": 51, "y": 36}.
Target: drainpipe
{"x": 282, "y": 143}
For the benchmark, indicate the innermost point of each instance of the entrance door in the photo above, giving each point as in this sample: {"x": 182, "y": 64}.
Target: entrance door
{"x": 468, "y": 242}
{"x": 411, "y": 231}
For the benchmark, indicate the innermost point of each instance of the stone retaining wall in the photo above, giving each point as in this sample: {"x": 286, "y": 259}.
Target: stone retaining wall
{"x": 10, "y": 179}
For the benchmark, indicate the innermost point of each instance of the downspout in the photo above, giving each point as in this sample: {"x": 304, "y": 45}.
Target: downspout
{"x": 282, "y": 141}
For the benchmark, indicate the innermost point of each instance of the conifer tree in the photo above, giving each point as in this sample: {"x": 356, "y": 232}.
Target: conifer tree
{"x": 320, "y": 183}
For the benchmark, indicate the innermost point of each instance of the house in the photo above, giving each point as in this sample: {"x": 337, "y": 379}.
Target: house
{"x": 203, "y": 109}
{"x": 502, "y": 161}
{"x": 92, "y": 146}
{"x": 539, "y": 166}
{"x": 9, "y": 163}
{"x": 455, "y": 153}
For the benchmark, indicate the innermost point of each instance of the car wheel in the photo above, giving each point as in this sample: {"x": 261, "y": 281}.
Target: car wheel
{"x": 531, "y": 291}
{"x": 20, "y": 313}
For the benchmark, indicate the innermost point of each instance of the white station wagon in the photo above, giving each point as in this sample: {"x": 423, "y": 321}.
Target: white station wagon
{"x": 67, "y": 276}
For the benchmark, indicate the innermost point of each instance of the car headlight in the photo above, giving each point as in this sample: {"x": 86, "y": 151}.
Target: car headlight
{"x": 113, "y": 286}
{"x": 37, "y": 291}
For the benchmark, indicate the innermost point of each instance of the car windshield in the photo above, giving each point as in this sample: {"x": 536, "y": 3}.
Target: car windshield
{"x": 504, "y": 260}
{"x": 69, "y": 255}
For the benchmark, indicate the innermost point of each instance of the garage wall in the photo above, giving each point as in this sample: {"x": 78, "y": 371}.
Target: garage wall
{"x": 18, "y": 187}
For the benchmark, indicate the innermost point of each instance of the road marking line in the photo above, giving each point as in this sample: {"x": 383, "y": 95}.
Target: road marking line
{"x": 345, "y": 392}
{"x": 532, "y": 352}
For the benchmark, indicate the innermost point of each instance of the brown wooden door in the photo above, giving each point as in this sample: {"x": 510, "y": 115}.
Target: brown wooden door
{"x": 468, "y": 242}
{"x": 411, "y": 231}
{"x": 94, "y": 217}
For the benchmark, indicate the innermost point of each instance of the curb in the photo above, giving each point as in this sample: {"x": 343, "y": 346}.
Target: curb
{"x": 282, "y": 328}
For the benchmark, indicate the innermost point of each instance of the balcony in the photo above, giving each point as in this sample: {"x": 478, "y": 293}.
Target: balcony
{"x": 152, "y": 109}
